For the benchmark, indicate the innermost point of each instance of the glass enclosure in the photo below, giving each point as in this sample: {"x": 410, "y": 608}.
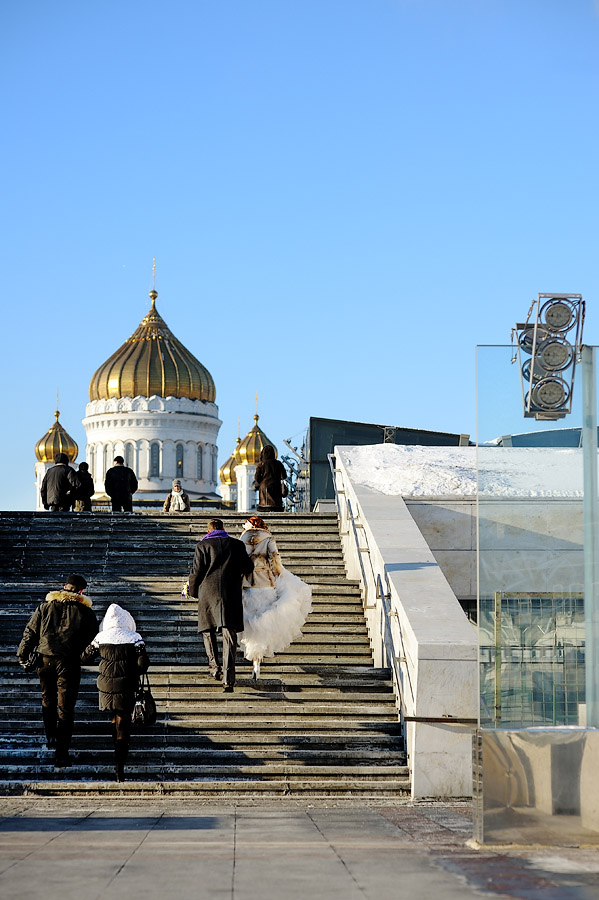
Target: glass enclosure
{"x": 530, "y": 554}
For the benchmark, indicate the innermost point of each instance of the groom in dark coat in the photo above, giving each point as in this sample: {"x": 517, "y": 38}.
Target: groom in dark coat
{"x": 219, "y": 564}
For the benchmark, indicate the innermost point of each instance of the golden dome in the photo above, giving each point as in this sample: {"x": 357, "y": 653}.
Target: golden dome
{"x": 56, "y": 440}
{"x": 250, "y": 447}
{"x": 152, "y": 362}
{"x": 226, "y": 473}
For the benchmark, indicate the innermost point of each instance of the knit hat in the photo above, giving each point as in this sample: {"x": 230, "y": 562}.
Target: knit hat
{"x": 176, "y": 481}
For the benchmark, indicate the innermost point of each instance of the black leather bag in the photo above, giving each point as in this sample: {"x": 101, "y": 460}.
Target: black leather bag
{"x": 284, "y": 489}
{"x": 144, "y": 710}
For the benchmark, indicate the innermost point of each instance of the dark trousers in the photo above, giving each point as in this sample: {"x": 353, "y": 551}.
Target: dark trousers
{"x": 122, "y": 503}
{"x": 229, "y": 652}
{"x": 59, "y": 680}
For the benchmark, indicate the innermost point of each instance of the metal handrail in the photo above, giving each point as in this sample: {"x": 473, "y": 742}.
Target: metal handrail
{"x": 381, "y": 593}
{"x": 385, "y": 601}
{"x": 360, "y": 551}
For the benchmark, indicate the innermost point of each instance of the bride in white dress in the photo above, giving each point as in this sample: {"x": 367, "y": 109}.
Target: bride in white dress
{"x": 276, "y": 602}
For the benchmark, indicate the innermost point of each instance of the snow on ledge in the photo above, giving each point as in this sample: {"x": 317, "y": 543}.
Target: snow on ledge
{"x": 414, "y": 471}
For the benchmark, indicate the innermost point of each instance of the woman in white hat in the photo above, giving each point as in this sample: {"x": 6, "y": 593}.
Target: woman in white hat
{"x": 123, "y": 659}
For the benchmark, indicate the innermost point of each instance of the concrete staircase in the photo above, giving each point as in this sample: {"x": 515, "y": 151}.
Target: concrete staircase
{"x": 321, "y": 722}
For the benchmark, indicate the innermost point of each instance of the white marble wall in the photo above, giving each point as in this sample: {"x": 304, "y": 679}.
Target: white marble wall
{"x": 434, "y": 642}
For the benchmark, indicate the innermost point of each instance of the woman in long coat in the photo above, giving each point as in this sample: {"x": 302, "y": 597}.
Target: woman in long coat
{"x": 276, "y": 602}
{"x": 270, "y": 473}
{"x": 123, "y": 659}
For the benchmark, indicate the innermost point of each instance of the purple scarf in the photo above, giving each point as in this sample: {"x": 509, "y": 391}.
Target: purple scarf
{"x": 218, "y": 533}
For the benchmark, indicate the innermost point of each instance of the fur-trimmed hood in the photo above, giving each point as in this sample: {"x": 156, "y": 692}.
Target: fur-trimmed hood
{"x": 65, "y": 596}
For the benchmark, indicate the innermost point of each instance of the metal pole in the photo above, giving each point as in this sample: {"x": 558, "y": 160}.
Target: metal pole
{"x": 498, "y": 649}
{"x": 591, "y": 536}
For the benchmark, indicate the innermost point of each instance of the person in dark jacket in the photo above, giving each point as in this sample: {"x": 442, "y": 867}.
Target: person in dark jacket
{"x": 270, "y": 472}
{"x": 120, "y": 484}
{"x": 219, "y": 564}
{"x": 123, "y": 659}
{"x": 59, "y": 629}
{"x": 60, "y": 485}
{"x": 86, "y": 490}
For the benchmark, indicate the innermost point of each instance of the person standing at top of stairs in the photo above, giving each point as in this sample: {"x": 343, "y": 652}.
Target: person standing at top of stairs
{"x": 60, "y": 485}
{"x": 59, "y": 630}
{"x": 219, "y": 564}
{"x": 120, "y": 484}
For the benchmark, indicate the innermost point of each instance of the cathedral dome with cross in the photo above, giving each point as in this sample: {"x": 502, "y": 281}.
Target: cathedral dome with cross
{"x": 153, "y": 403}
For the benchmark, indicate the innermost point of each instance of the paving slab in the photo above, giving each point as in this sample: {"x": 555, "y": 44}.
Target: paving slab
{"x": 94, "y": 849}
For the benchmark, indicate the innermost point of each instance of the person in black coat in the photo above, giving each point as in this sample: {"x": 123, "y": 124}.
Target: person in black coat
{"x": 60, "y": 485}
{"x": 120, "y": 484}
{"x": 270, "y": 472}
{"x": 59, "y": 629}
{"x": 86, "y": 490}
{"x": 123, "y": 659}
{"x": 219, "y": 564}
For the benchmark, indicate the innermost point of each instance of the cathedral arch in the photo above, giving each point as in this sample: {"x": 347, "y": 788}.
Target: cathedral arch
{"x": 107, "y": 458}
{"x": 130, "y": 455}
{"x": 180, "y": 460}
{"x": 154, "y": 460}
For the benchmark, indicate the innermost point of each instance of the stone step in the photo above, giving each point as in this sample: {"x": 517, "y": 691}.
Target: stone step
{"x": 257, "y": 725}
{"x": 272, "y": 673}
{"x": 155, "y": 622}
{"x": 199, "y": 756}
{"x": 209, "y": 770}
{"x": 225, "y": 789}
{"x": 255, "y": 744}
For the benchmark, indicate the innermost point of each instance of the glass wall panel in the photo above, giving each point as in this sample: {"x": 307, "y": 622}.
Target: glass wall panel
{"x": 530, "y": 554}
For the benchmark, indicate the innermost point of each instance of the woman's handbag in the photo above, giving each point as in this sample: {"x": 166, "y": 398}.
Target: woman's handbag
{"x": 144, "y": 711}
{"x": 284, "y": 489}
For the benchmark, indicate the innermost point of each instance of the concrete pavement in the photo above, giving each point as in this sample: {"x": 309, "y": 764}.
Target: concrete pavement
{"x": 59, "y": 849}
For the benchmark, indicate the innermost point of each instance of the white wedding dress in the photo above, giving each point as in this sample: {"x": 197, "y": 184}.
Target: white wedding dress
{"x": 276, "y": 603}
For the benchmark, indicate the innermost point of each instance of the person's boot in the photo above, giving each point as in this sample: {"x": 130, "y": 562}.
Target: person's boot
{"x": 121, "y": 751}
{"x": 62, "y": 760}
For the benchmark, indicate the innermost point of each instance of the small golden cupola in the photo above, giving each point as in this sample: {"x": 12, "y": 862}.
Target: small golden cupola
{"x": 226, "y": 473}
{"x": 152, "y": 362}
{"x": 253, "y": 443}
{"x": 56, "y": 440}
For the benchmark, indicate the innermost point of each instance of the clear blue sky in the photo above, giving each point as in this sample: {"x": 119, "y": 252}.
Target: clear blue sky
{"x": 343, "y": 197}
